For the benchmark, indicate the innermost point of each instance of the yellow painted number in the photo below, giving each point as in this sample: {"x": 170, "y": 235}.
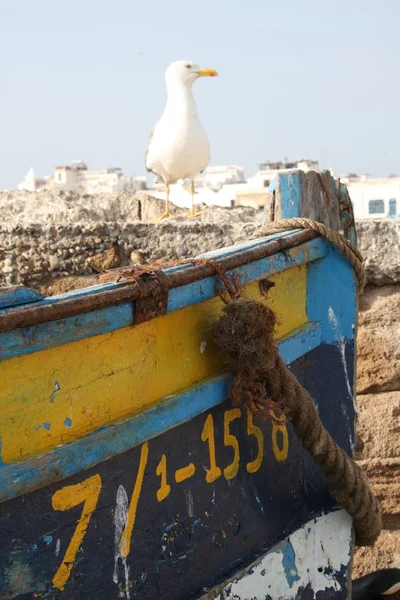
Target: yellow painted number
{"x": 161, "y": 471}
{"x": 279, "y": 425}
{"x": 253, "y": 466}
{"x": 230, "y": 440}
{"x": 125, "y": 544}
{"x": 208, "y": 435}
{"x": 88, "y": 492}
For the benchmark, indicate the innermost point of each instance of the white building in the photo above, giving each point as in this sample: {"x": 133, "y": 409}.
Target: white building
{"x": 374, "y": 198}
{"x": 31, "y": 183}
{"x": 215, "y": 178}
{"x": 226, "y": 185}
{"x": 179, "y": 194}
{"x": 78, "y": 178}
{"x": 268, "y": 170}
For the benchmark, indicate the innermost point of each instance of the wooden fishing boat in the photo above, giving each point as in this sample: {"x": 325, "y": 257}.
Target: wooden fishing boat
{"x": 125, "y": 471}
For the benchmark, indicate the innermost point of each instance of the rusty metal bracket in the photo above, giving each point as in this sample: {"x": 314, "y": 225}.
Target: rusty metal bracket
{"x": 31, "y": 314}
{"x": 147, "y": 306}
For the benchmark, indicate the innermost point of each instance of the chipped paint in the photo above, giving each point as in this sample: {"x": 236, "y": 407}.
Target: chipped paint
{"x": 289, "y": 563}
{"x": 317, "y": 557}
{"x": 55, "y": 390}
{"x": 203, "y": 346}
{"x": 120, "y": 519}
{"x": 341, "y": 345}
{"x": 189, "y": 502}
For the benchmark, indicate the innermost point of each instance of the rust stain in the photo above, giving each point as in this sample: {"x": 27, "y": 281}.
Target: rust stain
{"x": 132, "y": 290}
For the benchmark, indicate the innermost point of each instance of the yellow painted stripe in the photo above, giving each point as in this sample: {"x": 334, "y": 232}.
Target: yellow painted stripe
{"x": 57, "y": 395}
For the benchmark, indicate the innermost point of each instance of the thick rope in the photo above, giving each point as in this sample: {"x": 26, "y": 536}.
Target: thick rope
{"x": 262, "y": 382}
{"x": 266, "y": 386}
{"x": 337, "y": 239}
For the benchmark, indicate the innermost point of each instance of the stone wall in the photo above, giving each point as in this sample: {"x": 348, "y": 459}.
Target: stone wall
{"x": 32, "y": 254}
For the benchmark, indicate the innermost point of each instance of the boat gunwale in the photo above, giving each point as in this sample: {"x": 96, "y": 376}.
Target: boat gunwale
{"x": 32, "y": 314}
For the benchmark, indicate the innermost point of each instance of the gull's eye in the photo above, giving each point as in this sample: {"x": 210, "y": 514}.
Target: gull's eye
{"x": 188, "y": 66}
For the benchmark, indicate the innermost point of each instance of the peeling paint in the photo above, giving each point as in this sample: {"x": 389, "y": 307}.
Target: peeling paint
{"x": 56, "y": 389}
{"x": 341, "y": 344}
{"x": 189, "y": 502}
{"x": 316, "y": 557}
{"x": 120, "y": 518}
{"x": 289, "y": 563}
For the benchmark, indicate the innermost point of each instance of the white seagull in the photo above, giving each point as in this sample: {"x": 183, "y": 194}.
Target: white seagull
{"x": 178, "y": 146}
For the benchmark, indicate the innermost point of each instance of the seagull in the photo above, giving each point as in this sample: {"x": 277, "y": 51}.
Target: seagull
{"x": 178, "y": 147}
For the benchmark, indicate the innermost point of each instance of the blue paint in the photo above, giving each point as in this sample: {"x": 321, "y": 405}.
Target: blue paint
{"x": 300, "y": 341}
{"x": 17, "y": 295}
{"x": 289, "y": 563}
{"x": 43, "y": 301}
{"x": 55, "y": 333}
{"x": 48, "y": 539}
{"x": 55, "y": 390}
{"x": 290, "y": 188}
{"x": 67, "y": 422}
{"x": 38, "y": 427}
{"x": 198, "y": 291}
{"x": 46, "y": 426}
{"x": 332, "y": 300}
{"x": 33, "y": 548}
{"x": 22, "y": 477}
{"x": 331, "y": 297}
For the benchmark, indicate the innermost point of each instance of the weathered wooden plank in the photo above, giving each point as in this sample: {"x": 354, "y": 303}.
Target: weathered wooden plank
{"x": 107, "y": 442}
{"x": 60, "y": 394}
{"x": 16, "y": 295}
{"x": 313, "y": 195}
{"x": 209, "y": 506}
{"x": 50, "y": 335}
{"x": 315, "y": 561}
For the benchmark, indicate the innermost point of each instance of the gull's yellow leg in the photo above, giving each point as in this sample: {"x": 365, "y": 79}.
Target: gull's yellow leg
{"x": 166, "y": 212}
{"x": 192, "y": 212}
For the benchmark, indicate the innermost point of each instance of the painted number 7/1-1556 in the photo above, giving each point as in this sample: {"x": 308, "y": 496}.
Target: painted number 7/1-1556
{"x": 88, "y": 491}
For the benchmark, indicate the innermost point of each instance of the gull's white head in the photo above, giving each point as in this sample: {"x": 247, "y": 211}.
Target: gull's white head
{"x": 185, "y": 72}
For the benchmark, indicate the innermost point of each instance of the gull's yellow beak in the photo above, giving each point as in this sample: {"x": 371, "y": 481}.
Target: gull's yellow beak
{"x": 207, "y": 73}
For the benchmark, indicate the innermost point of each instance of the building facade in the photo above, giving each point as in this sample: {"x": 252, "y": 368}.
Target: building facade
{"x": 374, "y": 198}
{"x": 268, "y": 170}
{"x": 78, "y": 178}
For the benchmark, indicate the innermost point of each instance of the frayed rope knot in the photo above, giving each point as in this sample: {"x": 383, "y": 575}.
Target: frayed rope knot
{"x": 261, "y": 381}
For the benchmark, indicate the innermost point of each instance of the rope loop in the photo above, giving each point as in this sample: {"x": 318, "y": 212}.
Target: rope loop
{"x": 336, "y": 238}
{"x": 261, "y": 381}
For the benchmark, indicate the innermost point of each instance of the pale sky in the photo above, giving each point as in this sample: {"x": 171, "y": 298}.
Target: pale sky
{"x": 84, "y": 79}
